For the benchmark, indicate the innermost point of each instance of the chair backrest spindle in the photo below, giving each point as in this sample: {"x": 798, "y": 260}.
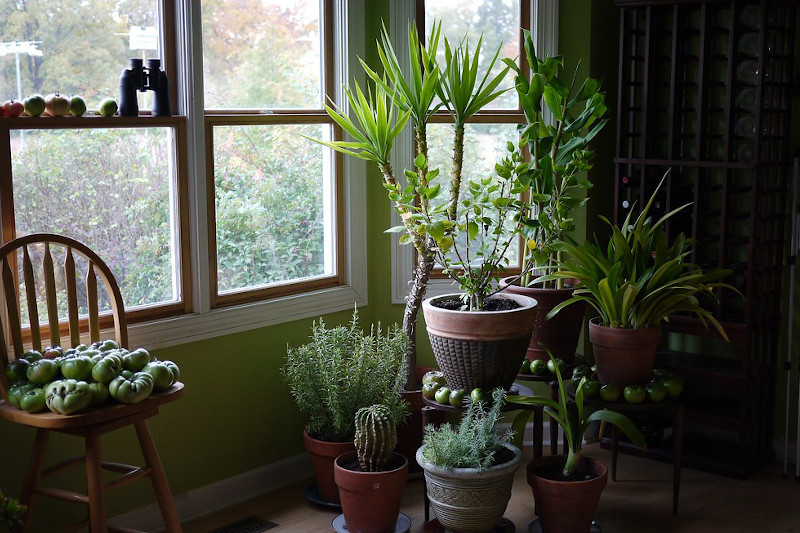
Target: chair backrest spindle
{"x": 91, "y": 298}
{"x": 30, "y": 295}
{"x": 72, "y": 298}
{"x": 50, "y": 295}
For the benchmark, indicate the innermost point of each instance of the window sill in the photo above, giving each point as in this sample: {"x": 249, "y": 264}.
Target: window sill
{"x": 218, "y": 322}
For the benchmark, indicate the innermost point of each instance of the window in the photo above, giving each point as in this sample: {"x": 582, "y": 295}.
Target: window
{"x": 223, "y": 203}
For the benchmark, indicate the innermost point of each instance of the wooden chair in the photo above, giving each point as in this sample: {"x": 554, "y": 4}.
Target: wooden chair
{"x": 15, "y": 261}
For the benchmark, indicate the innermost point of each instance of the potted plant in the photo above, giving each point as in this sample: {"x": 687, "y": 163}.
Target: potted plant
{"x": 559, "y": 160}
{"x": 454, "y": 224}
{"x": 635, "y": 283}
{"x": 338, "y": 372}
{"x": 372, "y": 478}
{"x": 11, "y": 512}
{"x": 567, "y": 488}
{"x": 469, "y": 471}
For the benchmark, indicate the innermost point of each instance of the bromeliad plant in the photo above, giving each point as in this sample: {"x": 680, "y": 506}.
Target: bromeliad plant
{"x": 342, "y": 370}
{"x": 559, "y": 155}
{"x": 639, "y": 279}
{"x": 379, "y": 115}
{"x": 573, "y": 419}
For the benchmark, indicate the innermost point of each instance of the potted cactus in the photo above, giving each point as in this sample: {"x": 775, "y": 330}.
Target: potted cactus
{"x": 372, "y": 478}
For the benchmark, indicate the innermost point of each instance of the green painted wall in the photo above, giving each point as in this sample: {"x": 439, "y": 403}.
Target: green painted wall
{"x": 237, "y": 414}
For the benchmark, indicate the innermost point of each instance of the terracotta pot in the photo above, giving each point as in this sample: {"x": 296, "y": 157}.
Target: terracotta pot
{"x": 624, "y": 356}
{"x": 566, "y": 506}
{"x": 469, "y": 500}
{"x": 323, "y": 453}
{"x": 370, "y": 500}
{"x": 481, "y": 348}
{"x": 409, "y": 433}
{"x": 560, "y": 333}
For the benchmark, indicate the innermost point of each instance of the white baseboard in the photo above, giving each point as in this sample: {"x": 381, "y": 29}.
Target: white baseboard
{"x": 222, "y": 494}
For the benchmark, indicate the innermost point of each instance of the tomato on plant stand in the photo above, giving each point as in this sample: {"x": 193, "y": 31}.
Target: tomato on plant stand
{"x": 443, "y": 395}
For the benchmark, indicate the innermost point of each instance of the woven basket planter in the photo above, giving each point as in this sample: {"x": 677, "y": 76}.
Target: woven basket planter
{"x": 481, "y": 348}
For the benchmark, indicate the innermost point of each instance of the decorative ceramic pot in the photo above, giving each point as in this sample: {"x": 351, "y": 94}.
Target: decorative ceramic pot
{"x": 470, "y": 500}
{"x": 560, "y": 333}
{"x": 624, "y": 356}
{"x": 479, "y": 348}
{"x": 323, "y": 453}
{"x": 566, "y": 506}
{"x": 370, "y": 500}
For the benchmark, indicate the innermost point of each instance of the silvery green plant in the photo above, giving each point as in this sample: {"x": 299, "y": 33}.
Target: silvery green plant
{"x": 376, "y": 436}
{"x": 343, "y": 369}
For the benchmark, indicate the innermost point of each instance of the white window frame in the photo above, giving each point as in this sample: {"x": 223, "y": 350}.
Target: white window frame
{"x": 204, "y": 322}
{"x": 544, "y": 28}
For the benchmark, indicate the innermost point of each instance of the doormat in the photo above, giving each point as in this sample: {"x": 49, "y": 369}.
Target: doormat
{"x": 251, "y": 524}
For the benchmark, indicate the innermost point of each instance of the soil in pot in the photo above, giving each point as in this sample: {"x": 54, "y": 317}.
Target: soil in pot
{"x": 492, "y": 304}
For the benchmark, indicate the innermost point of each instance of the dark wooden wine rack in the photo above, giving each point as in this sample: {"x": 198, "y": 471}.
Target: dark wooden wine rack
{"x": 705, "y": 98}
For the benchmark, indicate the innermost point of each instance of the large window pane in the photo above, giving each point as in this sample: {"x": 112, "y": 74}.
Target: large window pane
{"x": 497, "y": 20}
{"x": 262, "y": 54}
{"x": 75, "y": 47}
{"x": 113, "y": 190}
{"x": 274, "y": 192}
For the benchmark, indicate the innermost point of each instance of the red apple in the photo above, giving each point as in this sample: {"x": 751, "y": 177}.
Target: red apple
{"x": 57, "y": 104}
{"x": 13, "y": 108}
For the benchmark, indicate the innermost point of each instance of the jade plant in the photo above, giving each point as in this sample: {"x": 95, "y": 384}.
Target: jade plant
{"x": 559, "y": 157}
{"x": 343, "y": 369}
{"x": 639, "y": 279}
{"x": 474, "y": 444}
{"x": 430, "y": 217}
{"x": 573, "y": 418}
{"x": 376, "y": 436}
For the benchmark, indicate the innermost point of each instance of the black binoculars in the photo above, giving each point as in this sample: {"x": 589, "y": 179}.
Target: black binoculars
{"x": 141, "y": 78}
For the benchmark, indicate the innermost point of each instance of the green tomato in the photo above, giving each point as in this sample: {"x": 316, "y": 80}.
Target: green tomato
{"x": 42, "y": 371}
{"x": 17, "y": 370}
{"x": 610, "y": 393}
{"x": 538, "y": 367}
{"x": 33, "y": 355}
{"x": 477, "y": 395}
{"x": 581, "y": 371}
{"x": 429, "y": 390}
{"x": 456, "y": 398}
{"x": 526, "y": 366}
{"x": 52, "y": 353}
{"x": 33, "y": 401}
{"x": 443, "y": 395}
{"x": 656, "y": 392}
{"x": 131, "y": 388}
{"x": 134, "y": 361}
{"x": 674, "y": 386}
{"x": 67, "y": 396}
{"x": 634, "y": 394}
{"x": 99, "y": 393}
{"x": 434, "y": 376}
{"x": 106, "y": 345}
{"x": 17, "y": 391}
{"x": 551, "y": 366}
{"x": 591, "y": 388}
{"x": 163, "y": 378}
{"x": 77, "y": 367}
{"x": 176, "y": 372}
{"x": 107, "y": 368}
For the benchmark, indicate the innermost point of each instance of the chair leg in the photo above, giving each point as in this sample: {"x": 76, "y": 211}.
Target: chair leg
{"x": 96, "y": 489}
{"x": 159, "y": 479}
{"x": 33, "y": 476}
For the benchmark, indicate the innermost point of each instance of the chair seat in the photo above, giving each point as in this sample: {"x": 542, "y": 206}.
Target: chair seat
{"x": 92, "y": 416}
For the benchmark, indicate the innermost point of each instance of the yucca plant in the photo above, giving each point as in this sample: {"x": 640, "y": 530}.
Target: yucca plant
{"x": 379, "y": 114}
{"x": 639, "y": 279}
{"x": 574, "y": 419}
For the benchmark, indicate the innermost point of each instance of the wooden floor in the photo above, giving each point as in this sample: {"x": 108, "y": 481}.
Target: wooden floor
{"x": 639, "y": 502}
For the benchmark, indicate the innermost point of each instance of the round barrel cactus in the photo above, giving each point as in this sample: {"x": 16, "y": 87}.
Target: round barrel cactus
{"x": 376, "y": 436}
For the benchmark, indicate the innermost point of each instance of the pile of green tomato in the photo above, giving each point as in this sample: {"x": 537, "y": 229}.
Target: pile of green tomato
{"x": 663, "y": 385}
{"x": 434, "y": 387}
{"x": 540, "y": 367}
{"x": 69, "y": 381}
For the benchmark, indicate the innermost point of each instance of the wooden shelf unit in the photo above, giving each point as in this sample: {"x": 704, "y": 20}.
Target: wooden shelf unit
{"x": 705, "y": 92}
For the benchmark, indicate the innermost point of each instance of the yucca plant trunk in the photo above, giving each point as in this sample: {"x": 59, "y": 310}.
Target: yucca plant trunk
{"x": 419, "y": 285}
{"x": 455, "y": 178}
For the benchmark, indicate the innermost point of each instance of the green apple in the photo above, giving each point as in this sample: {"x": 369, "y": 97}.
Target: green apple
{"x": 634, "y": 394}
{"x": 34, "y": 105}
{"x": 107, "y": 107}
{"x": 77, "y": 106}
